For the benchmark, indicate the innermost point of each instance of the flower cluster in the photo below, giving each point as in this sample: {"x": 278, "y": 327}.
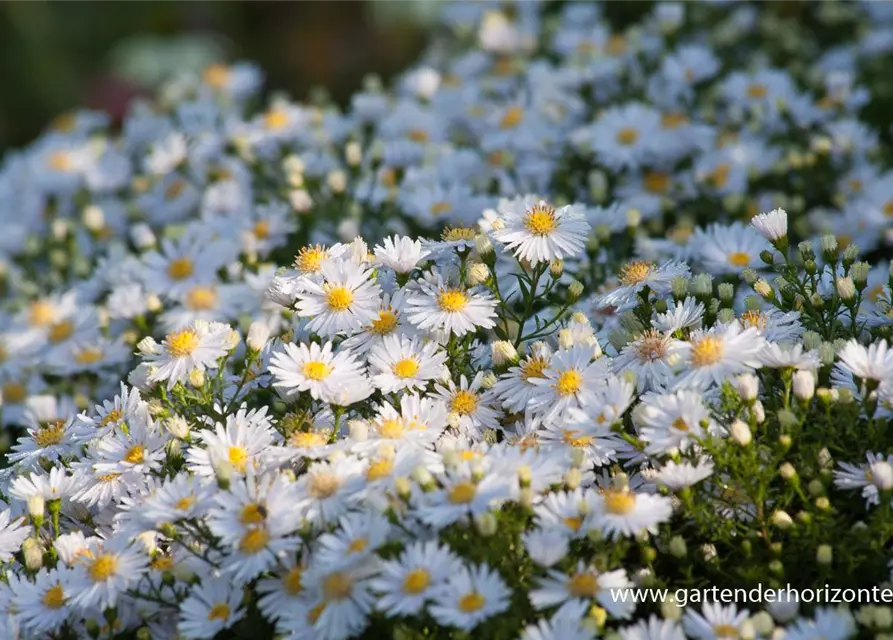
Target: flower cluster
{"x": 575, "y": 309}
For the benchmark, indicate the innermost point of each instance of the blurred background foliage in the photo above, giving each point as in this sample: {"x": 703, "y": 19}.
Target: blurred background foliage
{"x": 55, "y": 56}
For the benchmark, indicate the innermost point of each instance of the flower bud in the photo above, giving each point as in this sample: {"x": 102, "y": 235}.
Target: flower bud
{"x": 726, "y": 292}
{"x": 748, "y": 386}
{"x": 483, "y": 245}
{"x": 881, "y": 475}
{"x": 740, "y": 433}
{"x": 503, "y": 353}
{"x": 572, "y": 478}
{"x": 762, "y": 623}
{"x": 679, "y": 287}
{"x": 859, "y": 274}
{"x": 678, "y": 548}
{"x": 177, "y": 427}
{"x": 36, "y": 507}
{"x": 148, "y": 347}
{"x": 574, "y": 291}
{"x": 258, "y": 334}
{"x": 197, "y": 378}
{"x": 353, "y": 154}
{"x": 828, "y": 245}
{"x": 787, "y": 418}
{"x": 489, "y": 380}
{"x": 764, "y": 289}
{"x": 358, "y": 430}
{"x": 701, "y": 285}
{"x": 142, "y": 236}
{"x": 782, "y": 520}
{"x": 804, "y": 385}
{"x": 846, "y": 289}
{"x": 486, "y": 524}
{"x": 556, "y": 267}
{"x": 757, "y": 411}
{"x": 787, "y": 471}
{"x": 32, "y": 550}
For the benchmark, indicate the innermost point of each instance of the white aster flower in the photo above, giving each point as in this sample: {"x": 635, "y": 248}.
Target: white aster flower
{"x": 538, "y": 232}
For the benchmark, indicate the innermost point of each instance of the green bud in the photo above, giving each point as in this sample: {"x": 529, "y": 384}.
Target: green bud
{"x": 750, "y": 276}
{"x": 824, "y": 554}
{"x": 826, "y": 353}
{"x": 725, "y": 316}
{"x": 726, "y": 292}
{"x": 859, "y": 273}
{"x": 811, "y": 267}
{"x": 815, "y": 487}
{"x": 805, "y": 251}
{"x": 829, "y": 248}
{"x": 679, "y": 287}
{"x": 767, "y": 257}
{"x": 850, "y": 255}
{"x": 786, "y": 418}
{"x": 811, "y": 340}
{"x": 776, "y": 567}
{"x": 701, "y": 285}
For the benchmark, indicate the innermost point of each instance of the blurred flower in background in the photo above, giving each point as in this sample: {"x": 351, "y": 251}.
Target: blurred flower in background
{"x": 62, "y": 55}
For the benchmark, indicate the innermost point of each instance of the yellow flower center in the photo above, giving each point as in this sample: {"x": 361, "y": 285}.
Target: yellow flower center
{"x": 672, "y": 120}
{"x": 452, "y": 300}
{"x": 316, "y": 612}
{"x": 651, "y": 346}
{"x": 323, "y": 485}
{"x": 111, "y": 417}
{"x": 573, "y": 522}
{"x": 619, "y": 502}
{"x": 464, "y": 403}
{"x": 406, "y": 368}
{"x": 253, "y": 513}
{"x": 627, "y": 136}
{"x": 88, "y": 355}
{"x": 54, "y": 597}
{"x": 65, "y": 122}
{"x": 416, "y": 581}
{"x": 217, "y": 76}
{"x": 757, "y": 91}
{"x": 238, "y": 457}
{"x": 162, "y": 563}
{"x": 103, "y": 568}
{"x": 753, "y": 319}
{"x": 888, "y": 209}
{"x": 635, "y": 272}
{"x": 14, "y": 393}
{"x": 339, "y": 298}
{"x": 656, "y": 182}
{"x": 291, "y": 581}
{"x": 276, "y": 119}
{"x": 540, "y": 220}
{"x": 358, "y": 546}
{"x": 463, "y": 493}
{"x": 418, "y": 135}
{"x": 180, "y": 268}
{"x": 512, "y": 118}
{"x": 719, "y": 177}
{"x": 471, "y": 602}
{"x": 616, "y": 45}
{"x": 739, "y": 259}
{"x": 725, "y": 631}
{"x": 61, "y": 331}
{"x": 185, "y": 503}
{"x": 571, "y": 438}
{"x": 679, "y": 424}
{"x": 254, "y": 541}
{"x": 40, "y": 314}
{"x": 173, "y": 191}
{"x": 135, "y": 454}
{"x": 310, "y": 259}
{"x": 706, "y": 351}
{"x": 583, "y": 585}
{"x": 569, "y": 382}
{"x": 60, "y": 161}
{"x": 261, "y": 229}
{"x": 533, "y": 368}
{"x": 219, "y": 611}
{"x": 307, "y": 439}
{"x": 391, "y": 428}
{"x": 454, "y": 234}
{"x": 317, "y": 370}
{"x": 380, "y": 469}
{"x": 440, "y": 208}
{"x": 201, "y": 299}
{"x": 385, "y": 323}
{"x": 337, "y": 586}
{"x": 182, "y": 343}
{"x": 50, "y": 434}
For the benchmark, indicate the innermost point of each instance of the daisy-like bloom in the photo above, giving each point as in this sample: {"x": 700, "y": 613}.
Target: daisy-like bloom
{"x": 256, "y": 519}
{"x": 638, "y": 274}
{"x": 653, "y": 628}
{"x": 56, "y": 485}
{"x": 776, "y": 356}
{"x": 126, "y": 407}
{"x": 299, "y": 367}
{"x": 571, "y": 375}
{"x": 653, "y": 357}
{"x": 212, "y": 606}
{"x": 469, "y": 597}
{"x": 279, "y": 593}
{"x": 141, "y": 450}
{"x": 12, "y": 534}
{"x": 565, "y": 624}
{"x": 450, "y": 308}
{"x": 400, "y": 253}
{"x": 461, "y": 498}
{"x": 419, "y": 420}
{"x": 391, "y": 320}
{"x": 724, "y": 249}
{"x": 715, "y": 622}
{"x": 105, "y": 572}
{"x": 872, "y": 478}
{"x": 585, "y": 584}
{"x": 404, "y": 363}
{"x": 774, "y": 325}
{"x": 407, "y": 583}
{"x": 773, "y": 225}
{"x": 676, "y": 476}
{"x": 344, "y": 601}
{"x": 242, "y": 441}
{"x": 719, "y": 353}
{"x": 828, "y": 623}
{"x": 359, "y": 534}
{"x": 475, "y": 407}
{"x": 329, "y": 489}
{"x": 546, "y": 547}
{"x": 538, "y": 232}
{"x": 51, "y": 439}
{"x": 680, "y": 316}
{"x": 624, "y": 136}
{"x": 618, "y": 511}
{"x": 179, "y": 498}
{"x": 517, "y": 388}
{"x": 343, "y": 301}
{"x": 874, "y": 362}
{"x": 44, "y": 605}
{"x": 196, "y": 347}
{"x": 672, "y": 421}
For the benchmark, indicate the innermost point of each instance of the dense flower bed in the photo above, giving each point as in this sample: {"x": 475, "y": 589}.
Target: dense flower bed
{"x": 574, "y": 309}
